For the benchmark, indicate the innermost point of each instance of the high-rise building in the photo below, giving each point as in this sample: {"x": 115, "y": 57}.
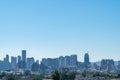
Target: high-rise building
{"x": 6, "y": 63}
{"x": 37, "y": 61}
{"x": 118, "y": 62}
{"x": 44, "y": 61}
{"x": 67, "y": 61}
{"x": 107, "y": 64}
{"x": 13, "y": 63}
{"x": 19, "y": 59}
{"x": 30, "y": 61}
{"x": 19, "y": 62}
{"x": 24, "y": 55}
{"x": 86, "y": 58}
{"x": 1, "y": 65}
{"x": 61, "y": 62}
{"x": 7, "y": 58}
{"x": 50, "y": 63}
{"x": 118, "y": 66}
{"x": 73, "y": 60}
{"x": 23, "y": 59}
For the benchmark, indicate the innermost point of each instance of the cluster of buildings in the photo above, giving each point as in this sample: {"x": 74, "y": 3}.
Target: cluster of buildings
{"x": 62, "y": 63}
{"x": 71, "y": 63}
{"x": 66, "y": 63}
{"x": 19, "y": 62}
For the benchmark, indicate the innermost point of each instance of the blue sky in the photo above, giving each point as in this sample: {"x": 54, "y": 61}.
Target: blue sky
{"x": 50, "y": 28}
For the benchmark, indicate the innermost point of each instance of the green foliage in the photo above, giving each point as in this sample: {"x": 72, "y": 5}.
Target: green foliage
{"x": 71, "y": 75}
{"x": 84, "y": 74}
{"x": 27, "y": 73}
{"x": 56, "y": 75}
{"x": 118, "y": 76}
{"x": 63, "y": 75}
{"x": 10, "y": 77}
{"x": 2, "y": 75}
{"x": 37, "y": 77}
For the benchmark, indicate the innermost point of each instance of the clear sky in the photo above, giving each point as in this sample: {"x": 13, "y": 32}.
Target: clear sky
{"x": 51, "y": 28}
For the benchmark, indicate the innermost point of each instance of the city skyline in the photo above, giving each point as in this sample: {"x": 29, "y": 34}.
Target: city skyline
{"x": 68, "y": 63}
{"x": 55, "y": 28}
{"x": 23, "y": 57}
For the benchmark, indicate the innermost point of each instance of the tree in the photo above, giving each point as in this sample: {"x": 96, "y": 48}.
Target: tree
{"x": 71, "y": 75}
{"x": 27, "y": 73}
{"x": 118, "y": 76}
{"x": 63, "y": 75}
{"x": 84, "y": 74}
{"x": 56, "y": 75}
{"x": 2, "y": 75}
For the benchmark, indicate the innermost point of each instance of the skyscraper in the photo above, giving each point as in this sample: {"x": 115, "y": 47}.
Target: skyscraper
{"x": 24, "y": 55}
{"x": 107, "y": 64}
{"x": 73, "y": 60}
{"x": 1, "y": 65}
{"x": 19, "y": 62}
{"x": 118, "y": 66}
{"x": 7, "y": 58}
{"x": 6, "y": 63}
{"x": 67, "y": 61}
{"x": 61, "y": 61}
{"x": 13, "y": 63}
{"x": 86, "y": 58}
{"x": 23, "y": 59}
{"x": 19, "y": 59}
{"x": 30, "y": 61}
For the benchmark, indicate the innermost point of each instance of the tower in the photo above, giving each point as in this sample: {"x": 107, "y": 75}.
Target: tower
{"x": 24, "y": 59}
{"x": 73, "y": 60}
{"x": 24, "y": 55}
{"x": 86, "y": 58}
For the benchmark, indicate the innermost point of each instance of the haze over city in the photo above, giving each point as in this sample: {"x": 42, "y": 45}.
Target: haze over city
{"x": 48, "y": 28}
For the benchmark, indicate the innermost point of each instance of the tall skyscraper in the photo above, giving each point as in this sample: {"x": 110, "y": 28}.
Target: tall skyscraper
{"x": 19, "y": 62}
{"x": 23, "y": 59}
{"x": 19, "y": 59}
{"x": 24, "y": 55}
{"x": 6, "y": 63}
{"x": 73, "y": 60}
{"x": 86, "y": 58}
{"x": 7, "y": 58}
